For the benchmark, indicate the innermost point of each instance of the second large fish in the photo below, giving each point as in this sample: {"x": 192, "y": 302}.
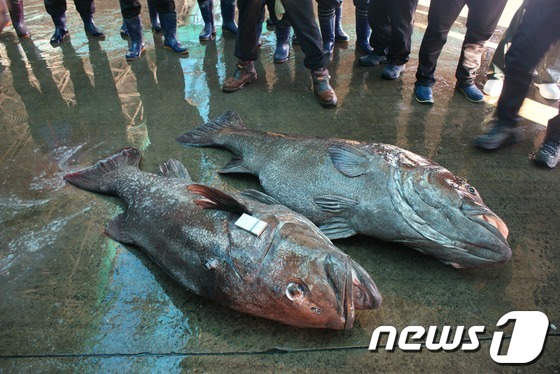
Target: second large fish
{"x": 348, "y": 187}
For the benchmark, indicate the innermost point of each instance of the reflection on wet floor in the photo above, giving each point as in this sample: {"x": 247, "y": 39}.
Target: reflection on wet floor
{"x": 75, "y": 300}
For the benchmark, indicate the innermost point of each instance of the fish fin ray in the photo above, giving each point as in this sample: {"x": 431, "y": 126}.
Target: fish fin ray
{"x": 337, "y": 228}
{"x": 235, "y": 166}
{"x": 260, "y": 197}
{"x": 203, "y": 136}
{"x": 94, "y": 178}
{"x": 349, "y": 160}
{"x": 116, "y": 229}
{"x": 174, "y": 169}
{"x": 335, "y": 204}
{"x": 216, "y": 199}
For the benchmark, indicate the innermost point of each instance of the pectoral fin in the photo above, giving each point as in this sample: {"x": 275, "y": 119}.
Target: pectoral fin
{"x": 216, "y": 199}
{"x": 337, "y": 228}
{"x": 116, "y": 229}
{"x": 261, "y": 197}
{"x": 349, "y": 160}
{"x": 335, "y": 204}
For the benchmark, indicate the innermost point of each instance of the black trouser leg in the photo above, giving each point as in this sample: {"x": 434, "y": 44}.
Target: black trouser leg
{"x": 246, "y": 41}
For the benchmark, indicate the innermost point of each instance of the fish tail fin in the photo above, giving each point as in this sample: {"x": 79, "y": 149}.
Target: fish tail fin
{"x": 204, "y": 136}
{"x": 96, "y": 178}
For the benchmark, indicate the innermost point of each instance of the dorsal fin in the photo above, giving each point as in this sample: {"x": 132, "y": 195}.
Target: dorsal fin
{"x": 174, "y": 169}
{"x": 216, "y": 199}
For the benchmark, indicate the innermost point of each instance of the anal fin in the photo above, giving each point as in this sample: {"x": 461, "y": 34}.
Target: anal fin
{"x": 116, "y": 229}
{"x": 235, "y": 166}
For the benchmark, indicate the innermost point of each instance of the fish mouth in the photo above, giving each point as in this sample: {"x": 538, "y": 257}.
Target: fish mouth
{"x": 356, "y": 290}
{"x": 488, "y": 219}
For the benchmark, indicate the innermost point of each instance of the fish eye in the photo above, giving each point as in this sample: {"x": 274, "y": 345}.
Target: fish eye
{"x": 295, "y": 291}
{"x": 471, "y": 190}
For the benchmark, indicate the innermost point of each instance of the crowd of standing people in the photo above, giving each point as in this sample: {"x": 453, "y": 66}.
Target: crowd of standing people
{"x": 383, "y": 33}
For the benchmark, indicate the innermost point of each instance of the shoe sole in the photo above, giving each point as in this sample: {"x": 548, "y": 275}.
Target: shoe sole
{"x": 142, "y": 52}
{"x": 430, "y": 102}
{"x": 186, "y": 52}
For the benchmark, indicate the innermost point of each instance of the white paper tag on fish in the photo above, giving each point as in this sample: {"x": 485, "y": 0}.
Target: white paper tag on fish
{"x": 254, "y": 225}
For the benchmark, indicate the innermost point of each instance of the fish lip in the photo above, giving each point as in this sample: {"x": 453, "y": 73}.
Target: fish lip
{"x": 488, "y": 219}
{"x": 349, "y": 309}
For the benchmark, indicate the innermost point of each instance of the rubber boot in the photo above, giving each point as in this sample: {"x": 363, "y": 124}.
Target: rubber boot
{"x": 169, "y": 26}
{"x": 326, "y": 24}
{"x": 124, "y": 31}
{"x": 339, "y": 35}
{"x": 227, "y": 8}
{"x": 154, "y": 16}
{"x": 137, "y": 46}
{"x": 282, "y": 51}
{"x": 60, "y": 31}
{"x": 16, "y": 14}
{"x": 207, "y": 12}
{"x": 244, "y": 74}
{"x": 90, "y": 27}
{"x": 363, "y": 31}
{"x": 322, "y": 87}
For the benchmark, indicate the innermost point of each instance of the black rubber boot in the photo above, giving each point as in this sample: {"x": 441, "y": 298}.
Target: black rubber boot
{"x": 326, "y": 24}
{"x": 207, "y": 12}
{"x": 227, "y": 8}
{"x": 363, "y": 31}
{"x": 154, "y": 16}
{"x": 90, "y": 27}
{"x": 339, "y": 35}
{"x": 60, "y": 31}
{"x": 169, "y": 26}
{"x": 16, "y": 14}
{"x": 282, "y": 51}
{"x": 137, "y": 46}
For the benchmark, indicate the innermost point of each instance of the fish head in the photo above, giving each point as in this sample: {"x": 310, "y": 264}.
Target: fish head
{"x": 313, "y": 283}
{"x": 456, "y": 225}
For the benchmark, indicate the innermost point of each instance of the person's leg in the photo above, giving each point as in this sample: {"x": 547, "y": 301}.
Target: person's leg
{"x": 481, "y": 22}
{"x": 130, "y": 10}
{"x": 535, "y": 35}
{"x": 16, "y": 13}
{"x": 548, "y": 153}
{"x": 86, "y": 9}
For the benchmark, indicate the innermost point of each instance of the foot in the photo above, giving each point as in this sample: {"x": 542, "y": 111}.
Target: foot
{"x": 207, "y": 33}
{"x": 499, "y": 135}
{"x": 372, "y": 60}
{"x": 493, "y": 87}
{"x": 322, "y": 88}
{"x": 340, "y": 36}
{"x": 549, "y": 91}
{"x": 59, "y": 36}
{"x": 548, "y": 154}
{"x": 472, "y": 93}
{"x": 173, "y": 45}
{"x": 245, "y": 73}
{"x": 423, "y": 94}
{"x": 136, "y": 50}
{"x": 392, "y": 71}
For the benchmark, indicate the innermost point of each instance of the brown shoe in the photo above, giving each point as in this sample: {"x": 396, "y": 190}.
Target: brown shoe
{"x": 322, "y": 88}
{"x": 244, "y": 74}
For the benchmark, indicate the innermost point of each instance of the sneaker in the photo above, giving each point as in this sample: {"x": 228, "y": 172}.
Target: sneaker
{"x": 549, "y": 91}
{"x": 322, "y": 88}
{"x": 423, "y": 94}
{"x": 498, "y": 136}
{"x": 472, "y": 93}
{"x": 372, "y": 60}
{"x": 392, "y": 71}
{"x": 245, "y": 73}
{"x": 493, "y": 87}
{"x": 548, "y": 153}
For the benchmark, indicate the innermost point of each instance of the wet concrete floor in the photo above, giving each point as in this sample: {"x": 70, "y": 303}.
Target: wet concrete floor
{"x": 73, "y": 300}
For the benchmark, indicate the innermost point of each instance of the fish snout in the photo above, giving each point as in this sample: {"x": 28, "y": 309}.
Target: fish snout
{"x": 352, "y": 285}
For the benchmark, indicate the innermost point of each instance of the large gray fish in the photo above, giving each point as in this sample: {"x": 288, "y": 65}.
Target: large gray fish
{"x": 291, "y": 273}
{"x": 349, "y": 187}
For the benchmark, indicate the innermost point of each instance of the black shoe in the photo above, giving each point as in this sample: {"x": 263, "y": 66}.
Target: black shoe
{"x": 548, "y": 153}
{"x": 498, "y": 136}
